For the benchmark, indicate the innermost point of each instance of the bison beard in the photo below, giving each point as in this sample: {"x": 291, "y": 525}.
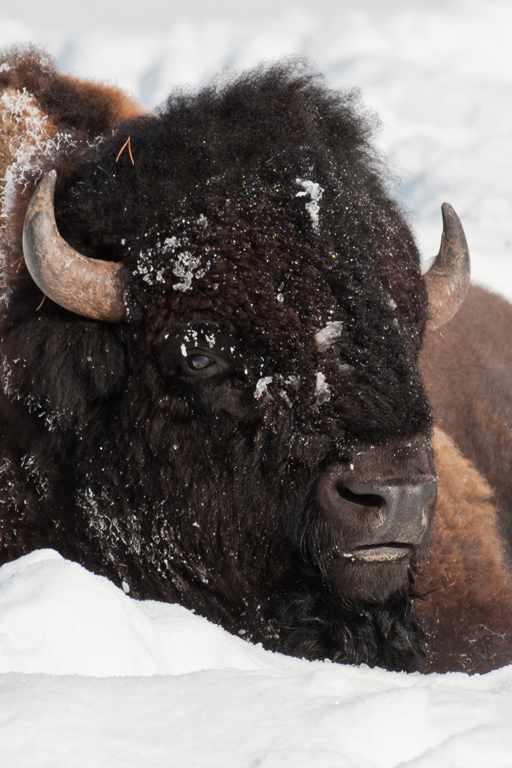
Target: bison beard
{"x": 247, "y": 432}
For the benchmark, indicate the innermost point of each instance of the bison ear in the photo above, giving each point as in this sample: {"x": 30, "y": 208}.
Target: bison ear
{"x": 87, "y": 287}
{"x": 448, "y": 278}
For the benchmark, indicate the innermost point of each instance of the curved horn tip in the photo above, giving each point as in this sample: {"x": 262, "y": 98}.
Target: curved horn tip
{"x": 450, "y": 217}
{"x": 43, "y": 194}
{"x": 448, "y": 278}
{"x": 447, "y": 208}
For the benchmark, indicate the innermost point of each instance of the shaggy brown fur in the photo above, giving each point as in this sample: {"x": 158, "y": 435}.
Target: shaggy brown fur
{"x": 69, "y": 102}
{"x": 467, "y": 369}
{"x": 474, "y": 353}
{"x": 467, "y": 605}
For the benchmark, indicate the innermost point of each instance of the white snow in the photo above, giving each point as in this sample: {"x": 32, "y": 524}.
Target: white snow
{"x": 314, "y": 191}
{"x": 56, "y": 618}
{"x": 325, "y": 337}
{"x": 322, "y": 389}
{"x": 91, "y": 677}
{"x": 184, "y": 268}
{"x": 261, "y": 387}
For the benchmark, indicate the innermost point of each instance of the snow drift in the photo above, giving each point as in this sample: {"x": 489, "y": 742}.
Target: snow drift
{"x": 125, "y": 683}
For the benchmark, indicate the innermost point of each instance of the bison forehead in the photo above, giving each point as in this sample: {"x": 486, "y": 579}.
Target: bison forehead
{"x": 248, "y": 252}
{"x": 227, "y": 214}
{"x": 210, "y": 199}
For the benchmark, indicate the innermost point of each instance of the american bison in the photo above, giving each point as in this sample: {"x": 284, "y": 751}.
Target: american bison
{"x": 211, "y": 330}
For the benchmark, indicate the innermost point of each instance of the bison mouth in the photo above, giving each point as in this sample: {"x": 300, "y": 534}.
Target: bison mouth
{"x": 380, "y": 552}
{"x": 372, "y": 572}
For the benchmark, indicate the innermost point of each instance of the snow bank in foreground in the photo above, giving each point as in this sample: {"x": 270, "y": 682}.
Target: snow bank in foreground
{"x": 59, "y": 619}
{"x": 212, "y": 699}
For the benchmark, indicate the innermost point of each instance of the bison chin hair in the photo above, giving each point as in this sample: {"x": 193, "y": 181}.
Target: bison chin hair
{"x": 365, "y": 575}
{"x": 368, "y": 582}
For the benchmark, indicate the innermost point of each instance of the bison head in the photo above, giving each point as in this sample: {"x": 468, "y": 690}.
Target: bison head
{"x": 226, "y": 365}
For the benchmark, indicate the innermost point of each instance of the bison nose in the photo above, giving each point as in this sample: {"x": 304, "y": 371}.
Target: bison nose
{"x": 402, "y": 516}
{"x": 380, "y": 513}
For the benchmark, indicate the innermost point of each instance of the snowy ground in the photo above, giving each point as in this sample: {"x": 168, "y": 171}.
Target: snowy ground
{"x": 89, "y": 677}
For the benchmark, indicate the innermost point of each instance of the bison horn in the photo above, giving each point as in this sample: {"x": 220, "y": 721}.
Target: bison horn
{"x": 87, "y": 287}
{"x": 448, "y": 277}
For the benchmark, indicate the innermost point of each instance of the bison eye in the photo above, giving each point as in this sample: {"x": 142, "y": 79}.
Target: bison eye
{"x": 200, "y": 362}
{"x": 196, "y": 353}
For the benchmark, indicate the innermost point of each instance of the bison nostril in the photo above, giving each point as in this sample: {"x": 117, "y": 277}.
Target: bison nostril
{"x": 363, "y": 499}
{"x": 376, "y": 514}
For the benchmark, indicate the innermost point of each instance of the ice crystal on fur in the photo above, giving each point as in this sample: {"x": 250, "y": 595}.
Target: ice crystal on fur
{"x": 326, "y": 337}
{"x": 315, "y": 192}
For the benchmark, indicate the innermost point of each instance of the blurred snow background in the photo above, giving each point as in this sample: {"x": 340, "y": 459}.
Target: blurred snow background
{"x": 439, "y": 74}
{"x": 89, "y": 676}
